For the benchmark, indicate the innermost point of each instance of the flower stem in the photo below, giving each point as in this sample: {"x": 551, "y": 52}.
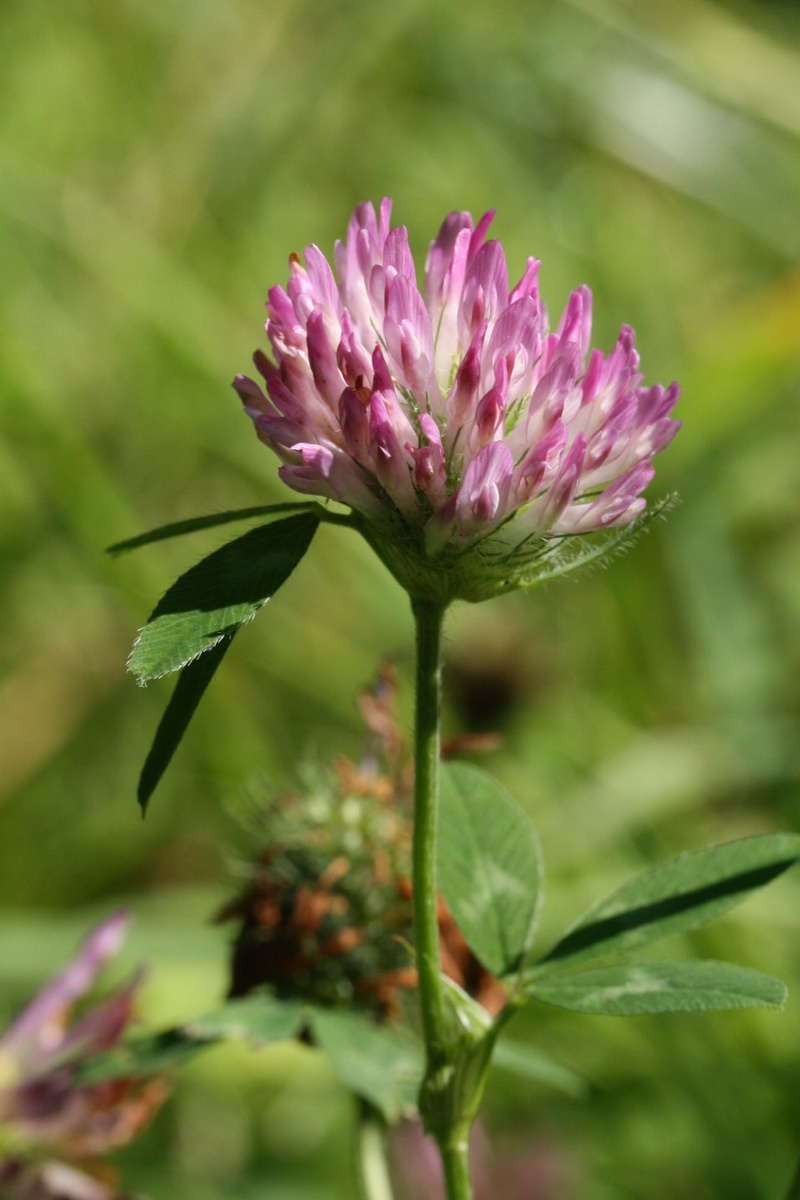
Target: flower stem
{"x": 439, "y": 1122}
{"x": 371, "y": 1166}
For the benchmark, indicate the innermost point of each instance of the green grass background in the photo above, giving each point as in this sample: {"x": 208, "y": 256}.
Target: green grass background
{"x": 159, "y": 159}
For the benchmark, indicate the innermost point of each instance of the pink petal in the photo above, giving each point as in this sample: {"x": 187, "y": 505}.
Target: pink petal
{"x": 619, "y": 504}
{"x": 409, "y": 338}
{"x": 429, "y": 474}
{"x": 444, "y": 250}
{"x": 539, "y": 466}
{"x": 576, "y": 323}
{"x": 323, "y": 340}
{"x": 490, "y": 412}
{"x": 485, "y": 292}
{"x": 330, "y": 472}
{"x": 389, "y": 461}
{"x": 564, "y": 486}
{"x": 481, "y": 499}
{"x": 463, "y": 399}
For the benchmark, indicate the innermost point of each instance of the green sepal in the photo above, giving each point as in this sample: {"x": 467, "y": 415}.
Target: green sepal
{"x": 563, "y": 555}
{"x": 450, "y": 1096}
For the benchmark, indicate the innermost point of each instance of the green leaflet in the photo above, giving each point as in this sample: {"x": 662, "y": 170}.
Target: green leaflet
{"x": 635, "y": 989}
{"x": 384, "y": 1066}
{"x": 219, "y": 594}
{"x": 141, "y": 1056}
{"x": 489, "y": 867}
{"x": 669, "y": 899}
{"x": 183, "y": 702}
{"x": 195, "y": 621}
{"x": 259, "y": 1018}
{"x": 195, "y": 524}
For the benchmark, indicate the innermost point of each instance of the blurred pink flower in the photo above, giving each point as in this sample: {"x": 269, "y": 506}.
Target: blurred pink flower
{"x": 450, "y": 405}
{"x": 52, "y": 1181}
{"x": 43, "y": 1102}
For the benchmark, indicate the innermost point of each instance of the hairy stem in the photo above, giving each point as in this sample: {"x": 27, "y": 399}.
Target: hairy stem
{"x": 453, "y": 1145}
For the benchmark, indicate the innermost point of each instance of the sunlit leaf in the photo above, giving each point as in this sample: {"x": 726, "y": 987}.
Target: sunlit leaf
{"x": 219, "y": 594}
{"x": 489, "y": 869}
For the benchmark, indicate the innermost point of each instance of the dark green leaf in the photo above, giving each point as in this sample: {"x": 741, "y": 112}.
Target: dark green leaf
{"x": 489, "y": 868}
{"x": 195, "y": 524}
{"x": 188, "y": 693}
{"x": 677, "y": 896}
{"x": 259, "y": 1019}
{"x": 142, "y": 1056}
{"x": 219, "y": 594}
{"x": 532, "y": 1064}
{"x": 633, "y": 989}
{"x": 382, "y": 1065}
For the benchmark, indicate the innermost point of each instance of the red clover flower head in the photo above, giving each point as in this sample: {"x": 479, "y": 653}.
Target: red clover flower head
{"x": 446, "y": 414}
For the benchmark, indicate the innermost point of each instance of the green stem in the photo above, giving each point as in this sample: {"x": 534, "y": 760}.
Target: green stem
{"x": 455, "y": 1158}
{"x": 453, "y": 1144}
{"x": 371, "y": 1167}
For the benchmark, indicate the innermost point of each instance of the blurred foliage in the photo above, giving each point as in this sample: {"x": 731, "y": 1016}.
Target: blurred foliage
{"x": 158, "y": 162}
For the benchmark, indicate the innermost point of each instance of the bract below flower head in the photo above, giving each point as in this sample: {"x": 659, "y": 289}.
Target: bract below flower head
{"x": 445, "y": 413}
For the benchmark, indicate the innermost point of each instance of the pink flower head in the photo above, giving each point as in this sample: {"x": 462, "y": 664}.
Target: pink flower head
{"x": 43, "y": 1101}
{"x": 446, "y": 408}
